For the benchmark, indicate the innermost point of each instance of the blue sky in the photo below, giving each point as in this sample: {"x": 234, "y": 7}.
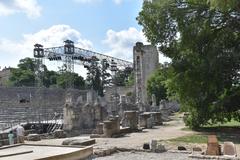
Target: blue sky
{"x": 105, "y": 26}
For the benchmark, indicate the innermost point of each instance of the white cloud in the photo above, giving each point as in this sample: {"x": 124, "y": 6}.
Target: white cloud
{"x": 55, "y": 35}
{"x": 11, "y": 51}
{"x": 5, "y": 11}
{"x": 30, "y": 7}
{"x": 121, "y": 43}
{"x": 118, "y": 1}
{"x": 95, "y": 1}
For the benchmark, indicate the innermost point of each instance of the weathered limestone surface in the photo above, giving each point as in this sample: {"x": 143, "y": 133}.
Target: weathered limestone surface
{"x": 145, "y": 62}
{"x": 99, "y": 128}
{"x": 111, "y": 127}
{"x": 59, "y": 134}
{"x": 80, "y": 115}
{"x": 130, "y": 120}
{"x": 23, "y": 104}
{"x": 33, "y": 137}
{"x": 143, "y": 120}
{"x": 157, "y": 118}
{"x": 229, "y": 149}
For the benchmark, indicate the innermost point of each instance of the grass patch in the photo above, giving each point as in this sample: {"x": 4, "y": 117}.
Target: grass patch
{"x": 202, "y": 138}
{"x": 231, "y": 123}
{"x": 196, "y": 138}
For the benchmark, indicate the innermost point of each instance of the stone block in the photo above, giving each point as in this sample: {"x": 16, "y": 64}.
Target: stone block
{"x": 113, "y": 150}
{"x": 213, "y": 148}
{"x": 107, "y": 152}
{"x": 67, "y": 141}
{"x": 111, "y": 127}
{"x": 33, "y": 137}
{"x": 229, "y": 149}
{"x": 144, "y": 119}
{"x": 153, "y": 145}
{"x": 130, "y": 120}
{"x": 160, "y": 148}
{"x": 150, "y": 122}
{"x": 4, "y": 142}
{"x": 125, "y": 130}
{"x": 108, "y": 128}
{"x": 197, "y": 149}
{"x": 99, "y": 128}
{"x": 4, "y": 136}
{"x": 80, "y": 142}
{"x": 83, "y": 142}
{"x": 157, "y": 118}
{"x": 59, "y": 134}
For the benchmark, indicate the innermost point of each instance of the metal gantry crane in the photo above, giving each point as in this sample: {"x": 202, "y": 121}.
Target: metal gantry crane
{"x": 72, "y": 55}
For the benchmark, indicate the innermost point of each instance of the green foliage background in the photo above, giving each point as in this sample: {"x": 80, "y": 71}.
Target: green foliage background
{"x": 202, "y": 38}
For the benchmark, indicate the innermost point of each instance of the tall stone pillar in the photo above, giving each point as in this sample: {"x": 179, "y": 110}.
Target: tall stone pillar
{"x": 145, "y": 62}
{"x": 68, "y": 113}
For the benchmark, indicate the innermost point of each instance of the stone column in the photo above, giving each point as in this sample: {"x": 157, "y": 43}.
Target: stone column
{"x": 116, "y": 124}
{"x": 157, "y": 118}
{"x": 143, "y": 118}
{"x": 107, "y": 128}
{"x": 131, "y": 119}
{"x": 111, "y": 127}
{"x": 99, "y": 128}
{"x": 68, "y": 113}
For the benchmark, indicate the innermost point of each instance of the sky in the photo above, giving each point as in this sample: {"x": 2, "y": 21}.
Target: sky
{"x": 104, "y": 26}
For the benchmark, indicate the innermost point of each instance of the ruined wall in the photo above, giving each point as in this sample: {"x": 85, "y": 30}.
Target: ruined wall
{"x": 82, "y": 115}
{"x": 31, "y": 104}
{"x": 4, "y": 76}
{"x": 146, "y": 61}
{"x": 120, "y": 91}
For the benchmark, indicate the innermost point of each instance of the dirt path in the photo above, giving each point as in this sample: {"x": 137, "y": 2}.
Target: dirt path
{"x": 169, "y": 130}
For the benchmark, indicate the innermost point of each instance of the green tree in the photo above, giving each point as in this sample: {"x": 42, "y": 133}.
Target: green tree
{"x": 155, "y": 84}
{"x": 203, "y": 41}
{"x": 97, "y": 75}
{"x": 63, "y": 79}
{"x": 124, "y": 77}
{"x": 21, "y": 78}
{"x": 24, "y": 74}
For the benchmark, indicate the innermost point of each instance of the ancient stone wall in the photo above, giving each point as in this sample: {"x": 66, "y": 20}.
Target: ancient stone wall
{"x": 82, "y": 115}
{"x": 4, "y": 76}
{"x": 120, "y": 91}
{"x": 30, "y": 104}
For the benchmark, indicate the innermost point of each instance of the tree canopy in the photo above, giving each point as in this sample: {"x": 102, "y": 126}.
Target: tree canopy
{"x": 155, "y": 84}
{"x": 202, "y": 38}
{"x": 25, "y": 75}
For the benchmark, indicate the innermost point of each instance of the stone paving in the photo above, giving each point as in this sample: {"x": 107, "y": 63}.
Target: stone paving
{"x": 145, "y": 156}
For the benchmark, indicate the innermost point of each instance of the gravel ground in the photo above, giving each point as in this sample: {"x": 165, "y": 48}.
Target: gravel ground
{"x": 145, "y": 156}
